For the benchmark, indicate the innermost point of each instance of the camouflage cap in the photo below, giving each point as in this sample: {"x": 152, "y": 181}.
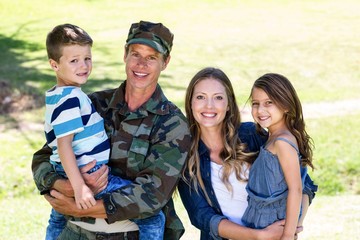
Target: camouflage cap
{"x": 155, "y": 35}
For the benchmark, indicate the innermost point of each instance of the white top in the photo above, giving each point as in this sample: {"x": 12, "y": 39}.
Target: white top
{"x": 233, "y": 204}
{"x": 101, "y": 225}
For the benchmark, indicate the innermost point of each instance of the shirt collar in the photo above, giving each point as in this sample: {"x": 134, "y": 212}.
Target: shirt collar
{"x": 157, "y": 104}
{"x": 202, "y": 149}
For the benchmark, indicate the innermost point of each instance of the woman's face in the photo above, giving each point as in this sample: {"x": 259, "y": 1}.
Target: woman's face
{"x": 209, "y": 103}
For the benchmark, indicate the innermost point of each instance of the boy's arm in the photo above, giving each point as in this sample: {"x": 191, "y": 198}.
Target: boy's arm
{"x": 67, "y": 206}
{"x": 290, "y": 165}
{"x": 83, "y": 195}
{"x": 46, "y": 178}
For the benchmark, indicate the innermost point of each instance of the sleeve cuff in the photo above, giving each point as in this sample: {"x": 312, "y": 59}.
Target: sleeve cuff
{"x": 49, "y": 182}
{"x": 310, "y": 188}
{"x": 214, "y": 226}
{"x": 110, "y": 208}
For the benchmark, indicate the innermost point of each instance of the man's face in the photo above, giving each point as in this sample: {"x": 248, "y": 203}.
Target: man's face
{"x": 143, "y": 66}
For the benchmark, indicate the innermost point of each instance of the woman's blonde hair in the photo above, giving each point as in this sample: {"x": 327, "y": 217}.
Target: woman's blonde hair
{"x": 233, "y": 153}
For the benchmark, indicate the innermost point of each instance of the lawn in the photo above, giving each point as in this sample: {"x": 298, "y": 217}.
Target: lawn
{"x": 314, "y": 43}
{"x": 28, "y": 219}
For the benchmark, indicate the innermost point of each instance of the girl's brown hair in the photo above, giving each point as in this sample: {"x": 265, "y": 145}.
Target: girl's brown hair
{"x": 280, "y": 90}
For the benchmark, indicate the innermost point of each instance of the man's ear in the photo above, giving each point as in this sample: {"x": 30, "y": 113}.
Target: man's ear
{"x": 166, "y": 62}
{"x": 54, "y": 65}
{"x": 125, "y": 54}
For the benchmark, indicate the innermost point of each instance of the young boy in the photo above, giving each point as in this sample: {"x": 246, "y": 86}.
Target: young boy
{"x": 73, "y": 129}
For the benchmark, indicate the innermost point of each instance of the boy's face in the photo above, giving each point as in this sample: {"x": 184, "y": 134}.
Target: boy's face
{"x": 74, "y": 66}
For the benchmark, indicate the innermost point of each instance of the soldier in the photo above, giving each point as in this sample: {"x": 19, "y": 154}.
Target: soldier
{"x": 149, "y": 145}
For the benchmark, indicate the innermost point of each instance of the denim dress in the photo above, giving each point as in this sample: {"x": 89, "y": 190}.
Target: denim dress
{"x": 267, "y": 190}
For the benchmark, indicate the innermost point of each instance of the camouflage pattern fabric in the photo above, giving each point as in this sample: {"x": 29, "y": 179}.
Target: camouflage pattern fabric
{"x": 148, "y": 146}
{"x": 156, "y": 35}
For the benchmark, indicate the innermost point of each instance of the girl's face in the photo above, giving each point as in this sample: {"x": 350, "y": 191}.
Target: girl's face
{"x": 209, "y": 103}
{"x": 264, "y": 111}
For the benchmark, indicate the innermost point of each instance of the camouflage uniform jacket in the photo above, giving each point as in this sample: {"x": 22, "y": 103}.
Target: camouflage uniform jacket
{"x": 148, "y": 146}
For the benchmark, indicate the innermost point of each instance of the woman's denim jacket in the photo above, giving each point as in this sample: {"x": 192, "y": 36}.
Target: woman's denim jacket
{"x": 207, "y": 217}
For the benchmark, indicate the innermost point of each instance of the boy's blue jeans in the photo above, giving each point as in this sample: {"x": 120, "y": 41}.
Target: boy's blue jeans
{"x": 149, "y": 228}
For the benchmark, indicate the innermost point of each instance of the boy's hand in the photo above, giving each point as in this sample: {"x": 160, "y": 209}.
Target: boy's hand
{"x": 84, "y": 197}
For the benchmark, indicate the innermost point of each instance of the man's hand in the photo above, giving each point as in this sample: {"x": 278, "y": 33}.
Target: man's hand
{"x": 98, "y": 180}
{"x": 64, "y": 186}
{"x": 67, "y": 206}
{"x": 63, "y": 204}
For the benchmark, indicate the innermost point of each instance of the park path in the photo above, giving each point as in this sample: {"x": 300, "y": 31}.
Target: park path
{"x": 319, "y": 109}
{"x": 311, "y": 110}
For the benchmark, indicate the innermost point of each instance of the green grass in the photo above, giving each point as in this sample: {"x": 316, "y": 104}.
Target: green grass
{"x": 28, "y": 219}
{"x": 314, "y": 43}
{"x": 336, "y": 154}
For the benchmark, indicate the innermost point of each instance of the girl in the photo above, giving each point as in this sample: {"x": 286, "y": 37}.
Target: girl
{"x": 277, "y": 175}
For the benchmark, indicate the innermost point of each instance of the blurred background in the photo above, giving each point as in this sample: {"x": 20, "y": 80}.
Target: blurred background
{"x": 316, "y": 44}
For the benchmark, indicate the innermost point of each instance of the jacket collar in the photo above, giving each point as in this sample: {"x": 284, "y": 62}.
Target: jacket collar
{"x": 157, "y": 104}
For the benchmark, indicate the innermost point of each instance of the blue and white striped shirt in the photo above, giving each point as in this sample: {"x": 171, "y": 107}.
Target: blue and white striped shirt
{"x": 70, "y": 111}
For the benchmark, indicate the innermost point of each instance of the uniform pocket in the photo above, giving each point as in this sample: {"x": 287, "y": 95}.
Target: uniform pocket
{"x": 137, "y": 154}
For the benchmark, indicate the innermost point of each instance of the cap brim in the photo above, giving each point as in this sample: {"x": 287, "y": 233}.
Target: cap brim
{"x": 149, "y": 43}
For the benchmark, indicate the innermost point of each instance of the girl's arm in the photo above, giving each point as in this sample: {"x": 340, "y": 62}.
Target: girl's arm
{"x": 289, "y": 162}
{"x": 83, "y": 195}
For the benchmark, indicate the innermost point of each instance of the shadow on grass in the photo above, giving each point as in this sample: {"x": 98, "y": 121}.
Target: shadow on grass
{"x": 12, "y": 72}
{"x": 22, "y": 86}
{"x": 18, "y": 81}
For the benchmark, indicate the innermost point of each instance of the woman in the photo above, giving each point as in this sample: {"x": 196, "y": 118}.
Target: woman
{"x": 213, "y": 186}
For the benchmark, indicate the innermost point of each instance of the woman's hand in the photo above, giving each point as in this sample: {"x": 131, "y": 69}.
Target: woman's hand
{"x": 273, "y": 231}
